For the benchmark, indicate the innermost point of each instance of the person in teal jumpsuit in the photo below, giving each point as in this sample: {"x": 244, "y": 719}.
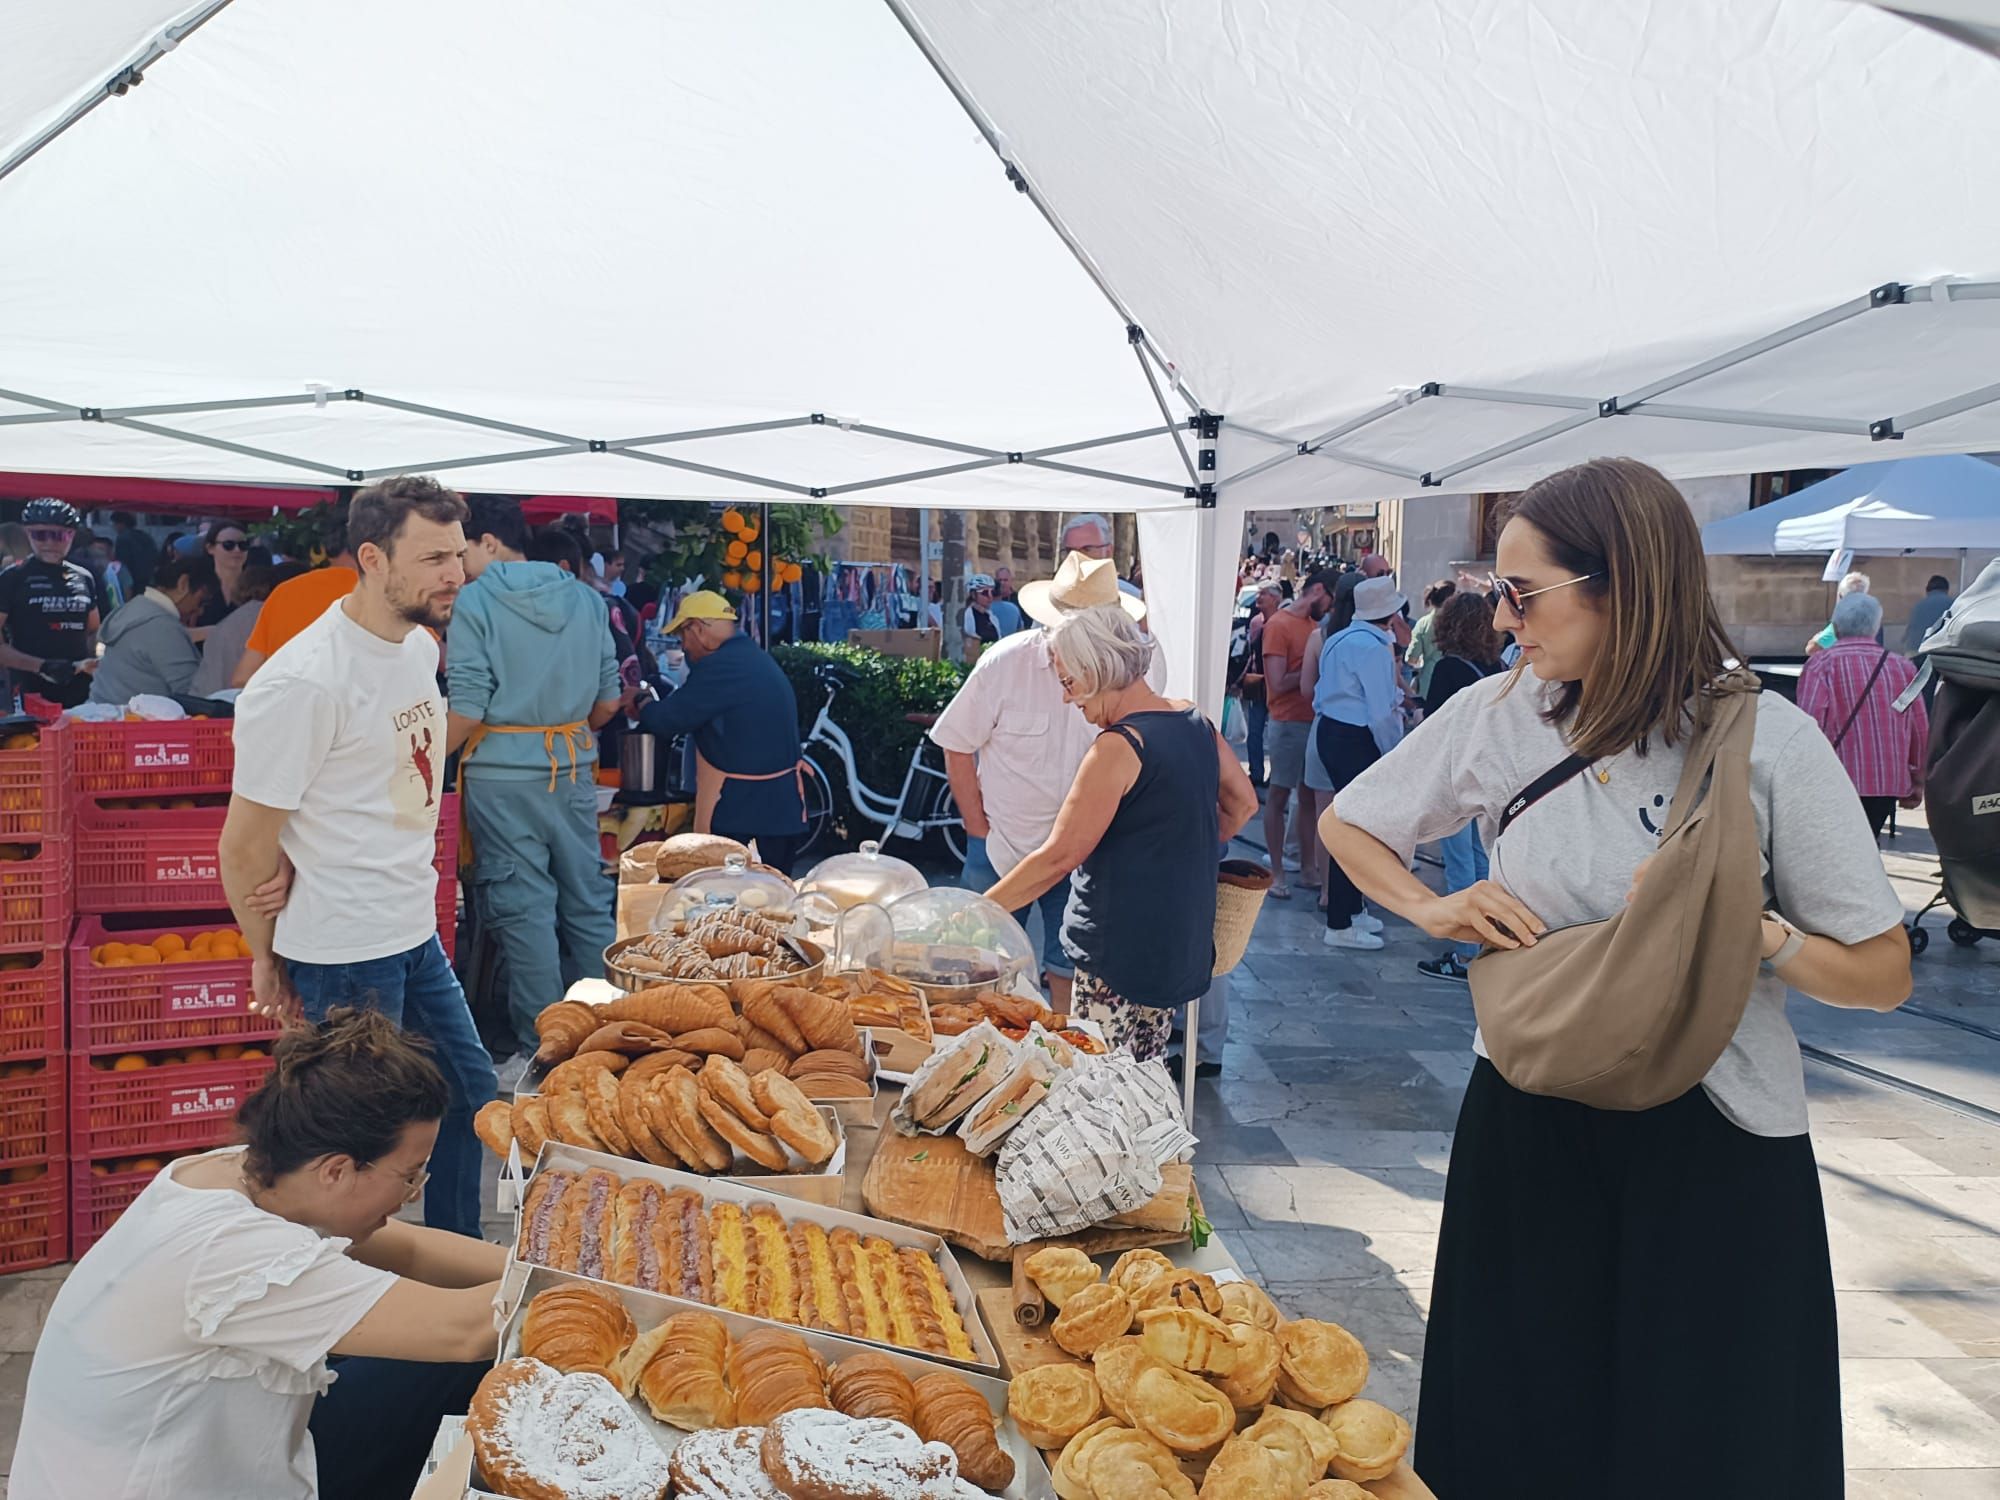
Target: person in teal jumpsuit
{"x": 532, "y": 678}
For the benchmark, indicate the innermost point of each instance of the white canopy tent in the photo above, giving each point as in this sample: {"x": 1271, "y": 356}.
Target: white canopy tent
{"x": 760, "y": 251}
{"x": 1925, "y": 507}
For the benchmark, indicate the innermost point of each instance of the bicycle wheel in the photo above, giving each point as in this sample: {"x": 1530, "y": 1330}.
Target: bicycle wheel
{"x": 946, "y": 825}
{"x": 819, "y": 806}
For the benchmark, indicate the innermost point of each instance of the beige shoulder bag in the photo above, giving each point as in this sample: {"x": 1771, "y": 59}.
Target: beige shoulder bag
{"x": 1633, "y": 1011}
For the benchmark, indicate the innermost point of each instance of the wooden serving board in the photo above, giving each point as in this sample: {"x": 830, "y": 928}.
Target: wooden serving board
{"x": 934, "y": 1183}
{"x": 1027, "y": 1348}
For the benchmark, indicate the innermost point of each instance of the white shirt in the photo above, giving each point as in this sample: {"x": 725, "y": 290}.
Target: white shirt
{"x": 183, "y": 1355}
{"x": 346, "y": 732}
{"x": 1010, "y": 712}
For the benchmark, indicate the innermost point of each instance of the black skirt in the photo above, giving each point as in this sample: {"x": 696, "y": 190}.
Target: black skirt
{"x": 1628, "y": 1305}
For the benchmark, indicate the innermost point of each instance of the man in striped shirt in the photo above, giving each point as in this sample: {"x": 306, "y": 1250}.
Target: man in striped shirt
{"x": 1850, "y": 689}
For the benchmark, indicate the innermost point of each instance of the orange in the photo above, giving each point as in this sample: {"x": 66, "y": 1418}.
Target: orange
{"x": 747, "y": 533}
{"x": 120, "y": 962}
{"x": 229, "y": 1052}
{"x": 179, "y": 804}
{"x": 27, "y": 1174}
{"x": 198, "y": 1055}
{"x": 202, "y": 947}
{"x": 145, "y": 1164}
{"x": 752, "y": 583}
{"x": 144, "y": 953}
{"x": 243, "y": 949}
{"x": 170, "y": 943}
{"x": 732, "y": 580}
{"x": 18, "y": 1070}
{"x": 97, "y": 953}
{"x": 753, "y": 558}
{"x": 732, "y": 519}
{"x": 735, "y": 552}
{"x": 184, "y": 956}
{"x": 131, "y": 1062}
{"x": 100, "y": 1169}
{"x": 249, "y": 1052}
{"x": 227, "y": 935}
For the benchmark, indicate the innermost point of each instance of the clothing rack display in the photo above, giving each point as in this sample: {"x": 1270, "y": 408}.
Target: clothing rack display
{"x": 867, "y": 596}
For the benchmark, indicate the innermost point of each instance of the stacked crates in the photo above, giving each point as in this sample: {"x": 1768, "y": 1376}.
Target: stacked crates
{"x": 35, "y": 853}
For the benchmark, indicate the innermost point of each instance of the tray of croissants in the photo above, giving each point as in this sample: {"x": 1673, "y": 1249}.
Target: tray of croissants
{"x": 713, "y": 946}
{"x": 1185, "y": 1386}
{"x": 605, "y": 1393}
{"x": 808, "y": 1035}
{"x": 718, "y": 1243}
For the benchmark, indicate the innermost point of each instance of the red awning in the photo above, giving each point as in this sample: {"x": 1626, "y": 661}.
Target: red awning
{"x": 545, "y": 508}
{"x": 175, "y": 495}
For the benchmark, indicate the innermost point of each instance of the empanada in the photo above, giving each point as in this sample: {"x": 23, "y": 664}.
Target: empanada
{"x": 1188, "y": 1340}
{"x": 1246, "y": 1302}
{"x": 1319, "y": 1363}
{"x": 1118, "y": 1364}
{"x": 1092, "y": 1316}
{"x": 1183, "y": 1411}
{"x": 1135, "y": 1270}
{"x": 1060, "y": 1272}
{"x": 1053, "y": 1403}
{"x": 1243, "y": 1470}
{"x": 1372, "y": 1440}
{"x": 1302, "y": 1444}
{"x": 1129, "y": 1465}
{"x": 1255, "y": 1379}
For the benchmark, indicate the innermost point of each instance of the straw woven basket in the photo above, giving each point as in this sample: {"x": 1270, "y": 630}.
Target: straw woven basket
{"x": 1240, "y": 888}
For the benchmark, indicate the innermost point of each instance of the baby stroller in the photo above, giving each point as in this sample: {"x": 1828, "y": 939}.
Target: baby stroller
{"x": 1962, "y": 785}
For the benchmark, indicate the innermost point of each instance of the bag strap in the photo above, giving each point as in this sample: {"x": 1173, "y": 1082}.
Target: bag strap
{"x": 1539, "y": 788}
{"x": 1855, "y": 712}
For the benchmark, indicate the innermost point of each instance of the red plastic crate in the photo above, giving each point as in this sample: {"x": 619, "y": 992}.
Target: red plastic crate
{"x": 34, "y": 1219}
{"x": 96, "y": 1200}
{"x": 184, "y": 757}
{"x": 34, "y": 787}
{"x": 31, "y": 1003}
{"x": 447, "y": 832}
{"x": 130, "y": 859}
{"x": 157, "y": 1005}
{"x": 31, "y": 1111}
{"x": 170, "y": 1108}
{"x": 35, "y": 898}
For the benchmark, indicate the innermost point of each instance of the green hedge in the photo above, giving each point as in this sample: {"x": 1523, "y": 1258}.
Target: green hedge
{"x": 872, "y": 708}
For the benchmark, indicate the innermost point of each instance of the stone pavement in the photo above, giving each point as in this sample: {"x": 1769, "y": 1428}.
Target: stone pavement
{"x": 1325, "y": 1141}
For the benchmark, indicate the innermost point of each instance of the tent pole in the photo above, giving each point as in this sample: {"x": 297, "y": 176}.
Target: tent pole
{"x": 764, "y": 572}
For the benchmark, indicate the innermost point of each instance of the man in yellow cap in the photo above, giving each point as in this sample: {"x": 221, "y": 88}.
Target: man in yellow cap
{"x": 739, "y": 706}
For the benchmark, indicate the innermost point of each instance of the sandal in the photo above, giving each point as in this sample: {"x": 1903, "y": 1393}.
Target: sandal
{"x": 1279, "y": 893}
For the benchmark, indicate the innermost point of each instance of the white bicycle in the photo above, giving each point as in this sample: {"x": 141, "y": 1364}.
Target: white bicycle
{"x": 923, "y": 806}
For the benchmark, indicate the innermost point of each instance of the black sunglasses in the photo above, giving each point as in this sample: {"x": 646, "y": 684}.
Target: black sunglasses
{"x": 1512, "y": 596}
{"x": 236, "y": 544}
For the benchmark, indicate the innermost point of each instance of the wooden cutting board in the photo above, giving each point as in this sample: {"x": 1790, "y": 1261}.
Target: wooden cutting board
{"x": 934, "y": 1183}
{"x": 1026, "y": 1348}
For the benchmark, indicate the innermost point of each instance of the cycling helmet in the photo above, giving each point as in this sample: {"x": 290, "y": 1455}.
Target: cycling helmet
{"x": 48, "y": 511}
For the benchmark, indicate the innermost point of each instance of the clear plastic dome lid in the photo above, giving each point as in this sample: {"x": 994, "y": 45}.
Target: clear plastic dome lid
{"x": 946, "y": 936}
{"x": 735, "y": 882}
{"x": 867, "y": 875}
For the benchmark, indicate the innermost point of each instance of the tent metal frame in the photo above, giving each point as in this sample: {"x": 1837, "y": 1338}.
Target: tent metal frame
{"x": 1204, "y": 485}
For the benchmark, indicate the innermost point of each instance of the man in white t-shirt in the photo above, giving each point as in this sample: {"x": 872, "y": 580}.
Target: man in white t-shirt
{"x": 1012, "y": 745}
{"x": 340, "y": 750}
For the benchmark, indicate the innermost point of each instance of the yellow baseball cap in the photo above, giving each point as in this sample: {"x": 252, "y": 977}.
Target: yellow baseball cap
{"x": 702, "y": 604}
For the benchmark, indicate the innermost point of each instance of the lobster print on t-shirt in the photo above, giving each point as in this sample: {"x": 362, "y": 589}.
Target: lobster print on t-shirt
{"x": 413, "y": 788}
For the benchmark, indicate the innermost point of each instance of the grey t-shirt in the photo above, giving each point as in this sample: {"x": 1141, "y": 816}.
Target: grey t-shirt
{"x": 1570, "y": 858}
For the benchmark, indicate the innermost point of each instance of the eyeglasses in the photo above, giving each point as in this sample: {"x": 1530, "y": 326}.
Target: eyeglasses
{"x": 414, "y": 1186}
{"x": 233, "y": 544}
{"x": 49, "y": 534}
{"x": 1516, "y": 600}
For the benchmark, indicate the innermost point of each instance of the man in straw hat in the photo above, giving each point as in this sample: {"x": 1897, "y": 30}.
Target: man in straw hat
{"x": 1012, "y": 744}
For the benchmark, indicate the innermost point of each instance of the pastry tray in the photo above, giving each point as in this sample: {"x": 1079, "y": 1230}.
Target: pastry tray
{"x": 1031, "y": 1472}
{"x": 821, "y": 1184}
{"x": 986, "y": 1358}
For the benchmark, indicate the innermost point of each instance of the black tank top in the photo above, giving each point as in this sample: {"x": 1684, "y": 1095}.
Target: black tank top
{"x": 1141, "y": 913}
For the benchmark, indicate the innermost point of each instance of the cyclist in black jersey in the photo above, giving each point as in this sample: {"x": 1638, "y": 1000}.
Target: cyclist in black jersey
{"x": 49, "y": 610}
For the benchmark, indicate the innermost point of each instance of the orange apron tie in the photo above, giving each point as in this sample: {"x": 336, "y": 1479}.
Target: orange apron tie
{"x": 550, "y": 733}
{"x": 709, "y": 782}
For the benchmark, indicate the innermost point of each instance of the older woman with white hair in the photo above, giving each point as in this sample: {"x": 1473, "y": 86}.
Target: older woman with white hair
{"x": 1850, "y": 689}
{"x": 1158, "y": 796}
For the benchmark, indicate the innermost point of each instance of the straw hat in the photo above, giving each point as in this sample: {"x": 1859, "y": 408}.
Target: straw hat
{"x": 1080, "y": 583}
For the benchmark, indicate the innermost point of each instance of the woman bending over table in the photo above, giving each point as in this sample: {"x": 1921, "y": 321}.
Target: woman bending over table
{"x": 1609, "y": 1276}
{"x": 187, "y": 1354}
{"x": 1158, "y": 794}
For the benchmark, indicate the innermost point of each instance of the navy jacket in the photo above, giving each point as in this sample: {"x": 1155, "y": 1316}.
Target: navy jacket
{"x": 739, "y": 705}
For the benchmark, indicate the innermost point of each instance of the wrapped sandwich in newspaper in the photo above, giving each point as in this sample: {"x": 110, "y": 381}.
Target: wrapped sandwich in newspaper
{"x": 1025, "y": 1087}
{"x": 961, "y": 1072}
{"x": 1092, "y": 1150}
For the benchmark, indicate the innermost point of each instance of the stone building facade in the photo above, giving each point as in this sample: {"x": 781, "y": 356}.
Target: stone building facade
{"x": 1027, "y": 542}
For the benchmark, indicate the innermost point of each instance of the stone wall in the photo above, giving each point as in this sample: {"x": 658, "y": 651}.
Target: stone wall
{"x": 1423, "y": 536}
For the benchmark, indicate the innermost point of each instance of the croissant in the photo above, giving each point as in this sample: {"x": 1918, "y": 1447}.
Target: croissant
{"x": 741, "y": 966}
{"x": 673, "y": 1008}
{"x": 773, "y": 1372}
{"x": 629, "y": 1037}
{"x": 870, "y": 1385}
{"x": 736, "y": 916}
{"x": 720, "y": 940}
{"x": 825, "y": 1023}
{"x": 562, "y": 1028}
{"x": 658, "y": 1062}
{"x": 564, "y": 1074}
{"x": 951, "y": 1412}
{"x": 764, "y": 1013}
{"x": 710, "y": 1041}
{"x": 677, "y": 1369}
{"x": 578, "y": 1330}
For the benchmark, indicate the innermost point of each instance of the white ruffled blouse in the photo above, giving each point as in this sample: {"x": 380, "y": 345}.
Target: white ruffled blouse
{"x": 183, "y": 1354}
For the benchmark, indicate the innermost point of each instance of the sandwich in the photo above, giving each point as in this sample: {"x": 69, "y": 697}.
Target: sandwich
{"x": 956, "y": 1079}
{"x": 1004, "y": 1107}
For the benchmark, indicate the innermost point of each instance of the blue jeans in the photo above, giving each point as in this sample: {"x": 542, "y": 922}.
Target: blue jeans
{"x": 979, "y": 875}
{"x": 1464, "y": 865}
{"x": 418, "y": 991}
{"x": 373, "y": 1428}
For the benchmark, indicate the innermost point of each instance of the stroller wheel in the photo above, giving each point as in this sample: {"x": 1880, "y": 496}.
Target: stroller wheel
{"x": 1962, "y": 932}
{"x": 1919, "y": 940}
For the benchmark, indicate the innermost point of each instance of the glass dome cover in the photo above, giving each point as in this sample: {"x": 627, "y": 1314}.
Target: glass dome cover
{"x": 734, "y": 882}
{"x": 949, "y": 937}
{"x": 848, "y": 880}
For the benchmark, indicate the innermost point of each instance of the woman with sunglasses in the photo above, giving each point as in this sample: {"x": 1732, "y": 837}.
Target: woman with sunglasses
{"x": 1598, "y": 1271}
{"x": 228, "y": 547}
{"x": 188, "y": 1352}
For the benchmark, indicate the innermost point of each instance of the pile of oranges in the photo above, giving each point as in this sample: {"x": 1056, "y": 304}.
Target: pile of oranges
{"x": 220, "y": 946}
{"x": 118, "y": 1166}
{"x": 139, "y": 1062}
{"x": 22, "y": 739}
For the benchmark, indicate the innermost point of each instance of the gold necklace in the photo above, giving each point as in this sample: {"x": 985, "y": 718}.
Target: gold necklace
{"x": 1603, "y": 778}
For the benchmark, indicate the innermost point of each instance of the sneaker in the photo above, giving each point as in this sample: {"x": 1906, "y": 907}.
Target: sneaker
{"x": 1368, "y": 922}
{"x": 1349, "y": 937}
{"x": 1450, "y": 967}
{"x": 1208, "y": 1070}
